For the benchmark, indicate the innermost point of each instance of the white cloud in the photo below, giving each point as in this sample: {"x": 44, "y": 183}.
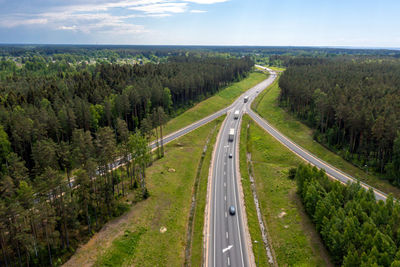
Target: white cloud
{"x": 197, "y": 11}
{"x": 91, "y": 16}
{"x": 68, "y": 28}
{"x": 9, "y": 22}
{"x": 161, "y": 8}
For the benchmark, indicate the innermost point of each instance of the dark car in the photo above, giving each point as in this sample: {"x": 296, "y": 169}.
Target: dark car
{"x": 230, "y": 155}
{"x": 232, "y": 210}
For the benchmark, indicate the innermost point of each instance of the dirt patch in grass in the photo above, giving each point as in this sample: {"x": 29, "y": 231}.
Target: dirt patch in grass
{"x": 282, "y": 214}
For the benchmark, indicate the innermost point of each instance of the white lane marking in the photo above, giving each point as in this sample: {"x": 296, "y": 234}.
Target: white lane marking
{"x": 224, "y": 173}
{"x": 238, "y": 204}
{"x": 226, "y": 249}
{"x": 224, "y": 163}
{"x": 226, "y": 214}
{"x": 229, "y": 262}
{"x": 225, "y": 197}
{"x": 224, "y": 184}
{"x": 227, "y": 235}
{"x": 215, "y": 201}
{"x": 240, "y": 100}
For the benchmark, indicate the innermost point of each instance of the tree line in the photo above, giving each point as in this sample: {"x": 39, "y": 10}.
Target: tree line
{"x": 356, "y": 229}
{"x": 46, "y": 103}
{"x": 354, "y": 104}
{"x": 63, "y": 132}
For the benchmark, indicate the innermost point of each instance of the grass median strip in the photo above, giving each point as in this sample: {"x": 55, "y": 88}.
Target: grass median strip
{"x": 290, "y": 232}
{"x": 222, "y": 99}
{"x": 266, "y": 105}
{"x": 252, "y": 220}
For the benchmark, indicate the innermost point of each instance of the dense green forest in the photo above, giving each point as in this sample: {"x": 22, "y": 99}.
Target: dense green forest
{"x": 268, "y": 55}
{"x": 357, "y": 230}
{"x": 57, "y": 117}
{"x": 353, "y": 103}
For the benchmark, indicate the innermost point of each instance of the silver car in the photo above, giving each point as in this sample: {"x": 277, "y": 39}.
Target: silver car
{"x": 232, "y": 210}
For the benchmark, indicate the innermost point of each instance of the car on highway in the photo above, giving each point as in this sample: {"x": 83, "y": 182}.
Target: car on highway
{"x": 230, "y": 155}
{"x": 232, "y": 210}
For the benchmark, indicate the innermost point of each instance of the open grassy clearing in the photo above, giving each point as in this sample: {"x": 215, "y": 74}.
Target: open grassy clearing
{"x": 291, "y": 233}
{"x": 170, "y": 182}
{"x": 266, "y": 104}
{"x": 278, "y": 69}
{"x": 207, "y": 107}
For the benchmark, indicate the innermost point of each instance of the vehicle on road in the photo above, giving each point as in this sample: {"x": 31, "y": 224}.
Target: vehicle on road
{"x": 245, "y": 99}
{"x": 231, "y": 134}
{"x": 232, "y": 210}
{"x": 230, "y": 155}
{"x": 236, "y": 115}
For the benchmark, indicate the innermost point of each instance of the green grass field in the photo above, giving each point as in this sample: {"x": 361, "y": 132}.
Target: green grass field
{"x": 207, "y": 107}
{"x": 278, "y": 69}
{"x": 291, "y": 233}
{"x": 266, "y": 105}
{"x": 170, "y": 182}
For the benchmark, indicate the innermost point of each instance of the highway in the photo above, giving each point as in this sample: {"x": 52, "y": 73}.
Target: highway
{"x": 227, "y": 243}
{"x": 226, "y": 236}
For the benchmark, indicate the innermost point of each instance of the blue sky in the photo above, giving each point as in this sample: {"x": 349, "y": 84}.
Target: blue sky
{"x": 202, "y": 22}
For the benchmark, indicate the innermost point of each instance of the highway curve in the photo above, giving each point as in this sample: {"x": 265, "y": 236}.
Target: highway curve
{"x": 304, "y": 154}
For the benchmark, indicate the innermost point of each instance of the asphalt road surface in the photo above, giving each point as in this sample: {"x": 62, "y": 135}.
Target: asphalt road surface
{"x": 227, "y": 244}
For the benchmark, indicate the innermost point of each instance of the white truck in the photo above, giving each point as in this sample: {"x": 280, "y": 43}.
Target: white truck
{"x": 231, "y": 134}
{"x": 236, "y": 114}
{"x": 246, "y": 98}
